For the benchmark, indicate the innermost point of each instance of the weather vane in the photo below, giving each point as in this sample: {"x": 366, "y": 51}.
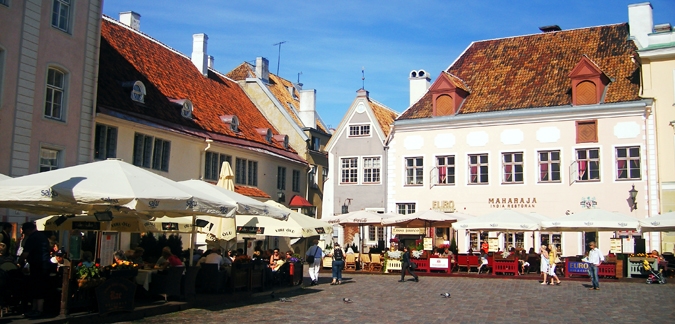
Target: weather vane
{"x": 363, "y": 78}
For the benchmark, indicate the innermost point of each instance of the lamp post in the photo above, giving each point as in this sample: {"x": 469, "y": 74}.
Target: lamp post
{"x": 281, "y": 197}
{"x": 633, "y": 197}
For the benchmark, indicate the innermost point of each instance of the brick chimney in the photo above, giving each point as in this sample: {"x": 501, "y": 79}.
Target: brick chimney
{"x": 262, "y": 69}
{"x": 307, "y": 111}
{"x": 131, "y": 19}
{"x": 640, "y": 22}
{"x": 199, "y": 56}
{"x": 419, "y": 84}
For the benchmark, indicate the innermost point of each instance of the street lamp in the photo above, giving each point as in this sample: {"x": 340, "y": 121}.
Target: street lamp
{"x": 281, "y": 197}
{"x": 633, "y": 198}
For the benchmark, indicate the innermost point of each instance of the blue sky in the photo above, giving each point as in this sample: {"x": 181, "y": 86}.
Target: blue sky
{"x": 330, "y": 41}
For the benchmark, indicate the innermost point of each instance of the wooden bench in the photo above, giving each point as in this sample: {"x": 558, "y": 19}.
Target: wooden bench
{"x": 506, "y": 266}
{"x": 468, "y": 261}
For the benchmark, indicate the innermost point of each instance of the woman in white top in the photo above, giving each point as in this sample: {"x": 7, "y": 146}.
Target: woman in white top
{"x": 552, "y": 256}
{"x": 543, "y": 252}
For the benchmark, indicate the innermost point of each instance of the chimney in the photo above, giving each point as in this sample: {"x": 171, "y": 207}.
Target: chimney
{"x": 211, "y": 62}
{"x": 419, "y": 84}
{"x": 262, "y": 69}
{"x": 640, "y": 22}
{"x": 307, "y": 111}
{"x": 131, "y": 19}
{"x": 199, "y": 57}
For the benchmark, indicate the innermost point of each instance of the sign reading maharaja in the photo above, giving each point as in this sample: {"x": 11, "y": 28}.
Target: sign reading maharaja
{"x": 518, "y": 202}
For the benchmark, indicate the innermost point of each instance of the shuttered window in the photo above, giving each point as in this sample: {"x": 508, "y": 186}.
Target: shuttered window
{"x": 586, "y": 93}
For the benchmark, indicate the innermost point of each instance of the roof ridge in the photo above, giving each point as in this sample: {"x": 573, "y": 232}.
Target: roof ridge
{"x": 118, "y": 23}
{"x": 382, "y": 105}
{"x": 542, "y": 33}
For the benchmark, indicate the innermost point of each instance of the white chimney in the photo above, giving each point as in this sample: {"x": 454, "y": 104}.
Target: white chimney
{"x": 640, "y": 22}
{"x": 262, "y": 69}
{"x": 307, "y": 111}
{"x": 419, "y": 84}
{"x": 211, "y": 59}
{"x": 131, "y": 19}
{"x": 199, "y": 57}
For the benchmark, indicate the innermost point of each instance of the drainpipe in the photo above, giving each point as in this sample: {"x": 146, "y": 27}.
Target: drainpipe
{"x": 202, "y": 157}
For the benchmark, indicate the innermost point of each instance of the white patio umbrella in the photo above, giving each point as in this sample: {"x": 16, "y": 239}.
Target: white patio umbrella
{"x": 659, "y": 223}
{"x": 502, "y": 220}
{"x": 427, "y": 218}
{"x": 360, "y": 217}
{"x": 107, "y": 186}
{"x": 127, "y": 224}
{"x": 593, "y": 220}
{"x": 226, "y": 177}
{"x": 4, "y": 177}
{"x": 297, "y": 224}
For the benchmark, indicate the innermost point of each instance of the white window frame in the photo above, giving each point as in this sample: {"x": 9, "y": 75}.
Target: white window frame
{"x": 406, "y": 207}
{"x": 150, "y": 157}
{"x": 350, "y": 169}
{"x": 443, "y": 176}
{"x": 59, "y": 7}
{"x": 513, "y": 165}
{"x": 416, "y": 178}
{"x": 374, "y": 171}
{"x": 52, "y": 155}
{"x": 360, "y": 130}
{"x": 211, "y": 167}
{"x": 627, "y": 159}
{"x": 549, "y": 164}
{"x": 312, "y": 176}
{"x": 51, "y": 91}
{"x": 478, "y": 165}
{"x": 588, "y": 161}
{"x": 138, "y": 92}
{"x": 102, "y": 146}
{"x": 375, "y": 233}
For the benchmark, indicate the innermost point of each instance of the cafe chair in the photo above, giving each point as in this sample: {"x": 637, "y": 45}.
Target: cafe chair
{"x": 350, "y": 262}
{"x": 365, "y": 262}
{"x": 376, "y": 263}
{"x": 190, "y": 282}
{"x": 210, "y": 278}
{"x": 167, "y": 284}
{"x": 282, "y": 276}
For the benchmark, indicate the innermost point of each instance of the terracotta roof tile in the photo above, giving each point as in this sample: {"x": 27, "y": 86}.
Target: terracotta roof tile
{"x": 384, "y": 115}
{"x": 533, "y": 70}
{"x": 250, "y": 191}
{"x": 128, "y": 55}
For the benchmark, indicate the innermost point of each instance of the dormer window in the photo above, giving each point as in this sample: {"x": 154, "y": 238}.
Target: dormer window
{"x": 185, "y": 105}
{"x": 138, "y": 92}
{"x": 282, "y": 139}
{"x": 589, "y": 83}
{"x": 266, "y": 132}
{"x": 448, "y": 93}
{"x": 359, "y": 130}
{"x": 232, "y": 121}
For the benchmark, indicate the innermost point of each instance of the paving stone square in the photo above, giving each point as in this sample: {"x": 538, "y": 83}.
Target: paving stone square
{"x": 382, "y": 299}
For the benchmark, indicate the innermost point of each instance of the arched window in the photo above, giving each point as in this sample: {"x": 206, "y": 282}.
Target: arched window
{"x": 586, "y": 93}
{"x": 55, "y": 94}
{"x": 444, "y": 105}
{"x": 138, "y": 92}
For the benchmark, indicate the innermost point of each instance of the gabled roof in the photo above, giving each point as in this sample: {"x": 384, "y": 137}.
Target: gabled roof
{"x": 279, "y": 87}
{"x": 384, "y": 115}
{"x": 533, "y": 70}
{"x": 128, "y": 55}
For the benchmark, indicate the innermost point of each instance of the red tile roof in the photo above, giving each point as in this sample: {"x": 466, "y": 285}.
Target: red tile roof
{"x": 533, "y": 70}
{"x": 128, "y": 55}
{"x": 250, "y": 191}
{"x": 384, "y": 115}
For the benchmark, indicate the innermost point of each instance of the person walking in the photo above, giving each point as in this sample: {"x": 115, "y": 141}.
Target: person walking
{"x": 552, "y": 258}
{"x": 406, "y": 265}
{"x": 338, "y": 264}
{"x": 595, "y": 258}
{"x": 543, "y": 264}
{"x": 314, "y": 255}
{"x": 36, "y": 254}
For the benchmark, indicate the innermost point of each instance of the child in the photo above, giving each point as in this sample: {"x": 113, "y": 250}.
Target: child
{"x": 483, "y": 261}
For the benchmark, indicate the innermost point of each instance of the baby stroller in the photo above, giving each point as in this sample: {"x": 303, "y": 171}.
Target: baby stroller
{"x": 654, "y": 277}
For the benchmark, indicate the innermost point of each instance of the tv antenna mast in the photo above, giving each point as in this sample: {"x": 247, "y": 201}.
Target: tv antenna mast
{"x": 279, "y": 57}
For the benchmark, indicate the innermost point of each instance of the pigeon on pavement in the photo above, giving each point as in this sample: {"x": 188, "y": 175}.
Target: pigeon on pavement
{"x": 446, "y": 295}
{"x": 347, "y": 300}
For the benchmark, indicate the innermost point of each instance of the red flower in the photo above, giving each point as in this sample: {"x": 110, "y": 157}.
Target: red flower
{"x": 80, "y": 264}
{"x": 97, "y": 265}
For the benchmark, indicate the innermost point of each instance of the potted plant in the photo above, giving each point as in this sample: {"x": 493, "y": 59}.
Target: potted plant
{"x": 88, "y": 276}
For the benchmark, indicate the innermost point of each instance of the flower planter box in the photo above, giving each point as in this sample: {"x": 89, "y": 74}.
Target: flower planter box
{"x": 297, "y": 271}
{"x": 635, "y": 265}
{"x": 393, "y": 265}
{"x": 422, "y": 264}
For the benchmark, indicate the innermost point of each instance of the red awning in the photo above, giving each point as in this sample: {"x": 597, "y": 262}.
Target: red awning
{"x": 298, "y": 201}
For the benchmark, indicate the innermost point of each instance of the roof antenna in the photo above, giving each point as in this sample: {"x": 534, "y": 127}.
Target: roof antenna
{"x": 363, "y": 78}
{"x": 299, "y": 74}
{"x": 279, "y": 57}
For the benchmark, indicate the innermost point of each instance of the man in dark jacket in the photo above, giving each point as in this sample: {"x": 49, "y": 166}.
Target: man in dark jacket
{"x": 36, "y": 254}
{"x": 406, "y": 266}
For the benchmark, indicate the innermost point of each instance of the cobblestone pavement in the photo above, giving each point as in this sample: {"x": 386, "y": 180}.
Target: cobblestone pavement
{"x": 382, "y": 299}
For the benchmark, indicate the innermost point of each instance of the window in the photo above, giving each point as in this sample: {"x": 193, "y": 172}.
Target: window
{"x": 49, "y": 159}
{"x": 4, "y": 2}
{"x": 252, "y": 173}
{"x": 240, "y": 171}
{"x": 296, "y": 181}
{"x": 281, "y": 178}
{"x": 628, "y": 162}
{"x": 405, "y": 208}
{"x": 246, "y": 172}
{"x": 478, "y": 168}
{"x": 213, "y": 162}
{"x": 375, "y": 233}
{"x": 446, "y": 169}
{"x": 150, "y": 152}
{"x": 549, "y": 166}
{"x": 138, "y": 92}
{"x": 316, "y": 143}
{"x": 359, "y": 130}
{"x": 312, "y": 176}
{"x": 588, "y": 163}
{"x": 325, "y": 174}
{"x": 414, "y": 171}
{"x": 586, "y": 93}
{"x": 512, "y": 164}
{"x": 587, "y": 131}
{"x": 105, "y": 143}
{"x": 55, "y": 92}
{"x": 371, "y": 170}
{"x": 61, "y": 14}
{"x": 350, "y": 169}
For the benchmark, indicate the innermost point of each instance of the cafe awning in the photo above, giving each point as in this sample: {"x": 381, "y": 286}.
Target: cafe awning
{"x": 298, "y": 201}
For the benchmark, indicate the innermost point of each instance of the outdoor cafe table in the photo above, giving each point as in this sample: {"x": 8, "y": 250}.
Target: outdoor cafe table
{"x": 144, "y": 278}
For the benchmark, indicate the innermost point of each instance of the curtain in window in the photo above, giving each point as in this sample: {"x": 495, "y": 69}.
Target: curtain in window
{"x": 620, "y": 166}
{"x": 582, "y": 169}
{"x": 507, "y": 172}
{"x": 474, "y": 173}
{"x": 442, "y": 172}
{"x": 543, "y": 168}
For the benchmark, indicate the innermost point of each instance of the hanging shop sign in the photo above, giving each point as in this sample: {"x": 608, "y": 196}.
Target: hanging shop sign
{"x": 515, "y": 202}
{"x": 408, "y": 231}
{"x": 443, "y": 205}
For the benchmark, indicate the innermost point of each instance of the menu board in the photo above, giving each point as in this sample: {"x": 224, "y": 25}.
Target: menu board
{"x": 628, "y": 246}
{"x": 108, "y": 247}
{"x": 493, "y": 243}
{"x": 428, "y": 244}
{"x": 615, "y": 246}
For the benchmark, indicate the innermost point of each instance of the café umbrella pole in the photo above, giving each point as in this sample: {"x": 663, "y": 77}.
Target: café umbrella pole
{"x": 193, "y": 235}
